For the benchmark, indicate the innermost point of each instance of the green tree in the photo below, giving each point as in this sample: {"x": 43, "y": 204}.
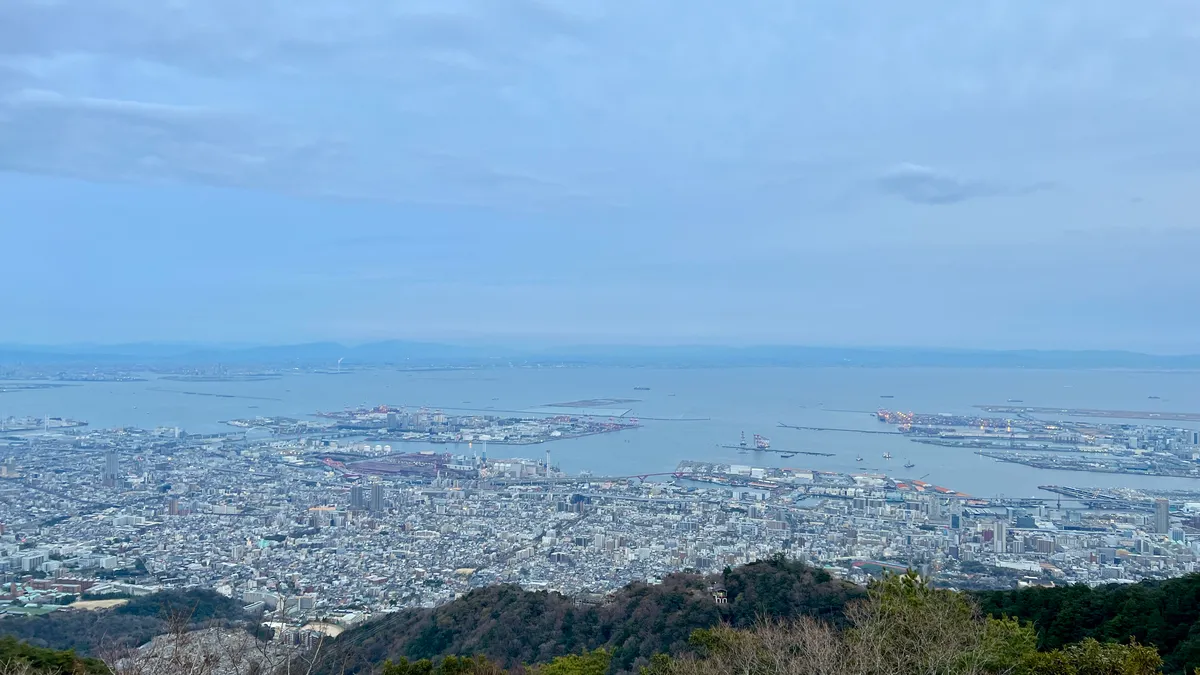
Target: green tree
{"x": 1091, "y": 657}
{"x": 451, "y": 665}
{"x": 589, "y": 663}
{"x": 46, "y": 661}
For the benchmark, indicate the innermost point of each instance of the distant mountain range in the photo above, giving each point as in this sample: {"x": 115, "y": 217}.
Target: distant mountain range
{"x": 431, "y": 354}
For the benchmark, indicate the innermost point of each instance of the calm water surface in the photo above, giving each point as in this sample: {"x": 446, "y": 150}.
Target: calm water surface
{"x": 730, "y": 400}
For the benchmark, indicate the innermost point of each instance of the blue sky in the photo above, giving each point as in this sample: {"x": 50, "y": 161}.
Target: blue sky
{"x": 981, "y": 174}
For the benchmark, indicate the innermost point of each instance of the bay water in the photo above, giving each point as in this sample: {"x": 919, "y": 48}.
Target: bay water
{"x": 686, "y": 413}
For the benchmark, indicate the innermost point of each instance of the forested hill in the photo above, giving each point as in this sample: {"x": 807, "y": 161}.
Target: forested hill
{"x": 1164, "y": 614}
{"x": 37, "y": 661}
{"x": 130, "y": 625}
{"x": 513, "y": 626}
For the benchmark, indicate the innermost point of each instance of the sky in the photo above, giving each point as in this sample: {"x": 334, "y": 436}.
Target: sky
{"x": 988, "y": 174}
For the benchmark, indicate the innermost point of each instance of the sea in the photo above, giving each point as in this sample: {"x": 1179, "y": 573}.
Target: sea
{"x": 685, "y": 414}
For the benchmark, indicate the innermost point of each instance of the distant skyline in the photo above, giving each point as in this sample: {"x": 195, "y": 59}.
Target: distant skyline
{"x": 961, "y": 175}
{"x": 413, "y": 354}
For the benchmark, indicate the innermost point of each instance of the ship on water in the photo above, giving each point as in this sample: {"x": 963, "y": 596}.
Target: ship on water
{"x": 760, "y": 442}
{"x": 909, "y": 465}
{"x": 887, "y": 455}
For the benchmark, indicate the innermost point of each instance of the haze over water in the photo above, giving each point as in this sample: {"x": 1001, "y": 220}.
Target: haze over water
{"x": 753, "y": 400}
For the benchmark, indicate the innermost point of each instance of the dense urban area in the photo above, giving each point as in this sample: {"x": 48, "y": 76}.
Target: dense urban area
{"x": 324, "y": 522}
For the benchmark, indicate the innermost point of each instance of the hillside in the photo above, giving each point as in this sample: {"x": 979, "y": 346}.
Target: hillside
{"x": 130, "y": 625}
{"x": 685, "y": 616}
{"x": 900, "y": 626}
{"x": 19, "y": 657}
{"x": 512, "y": 626}
{"x": 1165, "y": 614}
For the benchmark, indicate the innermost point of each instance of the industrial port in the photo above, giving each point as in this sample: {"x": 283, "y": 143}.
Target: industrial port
{"x": 763, "y": 444}
{"x": 1091, "y": 412}
{"x": 1061, "y": 444}
{"x": 1064, "y": 445}
{"x": 395, "y": 424}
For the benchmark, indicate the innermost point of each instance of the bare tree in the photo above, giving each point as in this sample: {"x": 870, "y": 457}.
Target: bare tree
{"x": 902, "y": 627}
{"x": 212, "y": 650}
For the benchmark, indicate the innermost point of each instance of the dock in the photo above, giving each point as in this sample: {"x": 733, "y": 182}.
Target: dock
{"x": 1092, "y": 412}
{"x": 778, "y": 450}
{"x": 1098, "y": 498}
{"x": 847, "y": 431}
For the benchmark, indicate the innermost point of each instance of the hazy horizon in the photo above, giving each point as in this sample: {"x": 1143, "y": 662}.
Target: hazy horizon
{"x": 981, "y": 176}
{"x": 473, "y": 354}
{"x": 532, "y": 344}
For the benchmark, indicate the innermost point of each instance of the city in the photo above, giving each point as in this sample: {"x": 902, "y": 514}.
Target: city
{"x": 333, "y": 527}
{"x": 589, "y": 337}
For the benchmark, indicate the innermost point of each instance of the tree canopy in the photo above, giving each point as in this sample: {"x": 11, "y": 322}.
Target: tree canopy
{"x": 514, "y": 627}
{"x": 1162, "y": 614}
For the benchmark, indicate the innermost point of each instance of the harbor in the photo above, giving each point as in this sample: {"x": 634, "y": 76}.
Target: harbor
{"x": 1163, "y": 467}
{"x": 839, "y": 430}
{"x": 397, "y": 424}
{"x": 763, "y": 444}
{"x": 808, "y": 483}
{"x": 1094, "y": 412}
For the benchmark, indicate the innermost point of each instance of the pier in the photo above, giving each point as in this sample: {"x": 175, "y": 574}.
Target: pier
{"x": 1097, "y": 499}
{"x": 810, "y": 453}
{"x": 1092, "y": 412}
{"x": 1090, "y": 466}
{"x": 847, "y": 431}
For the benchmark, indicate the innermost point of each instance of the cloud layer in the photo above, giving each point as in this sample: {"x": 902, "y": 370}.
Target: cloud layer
{"x": 779, "y": 170}
{"x": 517, "y": 101}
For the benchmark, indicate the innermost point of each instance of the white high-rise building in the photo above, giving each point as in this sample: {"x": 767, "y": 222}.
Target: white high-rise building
{"x": 1000, "y": 536}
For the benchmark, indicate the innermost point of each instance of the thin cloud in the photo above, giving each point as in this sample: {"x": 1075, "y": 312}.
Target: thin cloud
{"x": 46, "y": 132}
{"x": 925, "y": 185}
{"x": 226, "y": 36}
{"x": 109, "y": 139}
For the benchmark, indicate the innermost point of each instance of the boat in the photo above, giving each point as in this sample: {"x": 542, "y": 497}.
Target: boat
{"x": 909, "y": 465}
{"x": 641, "y": 388}
{"x": 887, "y": 455}
{"x": 858, "y": 458}
{"x": 886, "y": 396}
{"x": 1015, "y": 400}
